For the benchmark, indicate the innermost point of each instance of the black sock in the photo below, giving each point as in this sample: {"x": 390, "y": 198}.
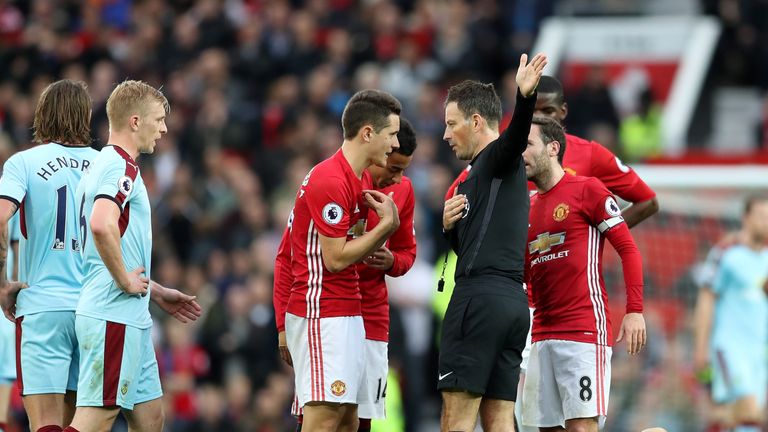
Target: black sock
{"x": 365, "y": 425}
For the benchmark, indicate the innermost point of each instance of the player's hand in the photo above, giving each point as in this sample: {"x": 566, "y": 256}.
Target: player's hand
{"x": 453, "y": 210}
{"x": 384, "y": 207}
{"x": 282, "y": 346}
{"x": 181, "y": 306}
{"x": 528, "y": 74}
{"x": 137, "y": 283}
{"x": 381, "y": 259}
{"x": 8, "y": 294}
{"x": 633, "y": 327}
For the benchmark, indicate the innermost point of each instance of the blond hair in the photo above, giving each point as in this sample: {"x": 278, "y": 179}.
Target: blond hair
{"x": 63, "y": 114}
{"x": 131, "y": 98}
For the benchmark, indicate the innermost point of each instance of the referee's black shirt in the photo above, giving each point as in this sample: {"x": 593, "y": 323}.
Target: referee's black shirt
{"x": 497, "y": 184}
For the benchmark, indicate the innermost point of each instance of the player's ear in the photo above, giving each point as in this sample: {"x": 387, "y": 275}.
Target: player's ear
{"x": 366, "y": 132}
{"x": 565, "y": 110}
{"x": 477, "y": 121}
{"x": 133, "y": 122}
{"x": 555, "y": 148}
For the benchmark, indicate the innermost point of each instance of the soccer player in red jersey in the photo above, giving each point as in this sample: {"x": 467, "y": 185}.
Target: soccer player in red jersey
{"x": 568, "y": 377}
{"x": 395, "y": 258}
{"x": 323, "y": 323}
{"x": 590, "y": 159}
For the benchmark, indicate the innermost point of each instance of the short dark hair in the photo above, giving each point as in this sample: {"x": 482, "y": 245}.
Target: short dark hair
{"x": 474, "y": 97}
{"x": 63, "y": 114}
{"x": 551, "y": 85}
{"x": 752, "y": 200}
{"x": 550, "y": 130}
{"x": 368, "y": 107}
{"x": 406, "y": 136}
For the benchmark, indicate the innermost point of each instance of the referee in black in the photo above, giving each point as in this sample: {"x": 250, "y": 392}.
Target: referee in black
{"x": 486, "y": 223}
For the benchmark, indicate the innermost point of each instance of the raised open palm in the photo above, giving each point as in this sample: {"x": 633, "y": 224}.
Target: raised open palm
{"x": 528, "y": 74}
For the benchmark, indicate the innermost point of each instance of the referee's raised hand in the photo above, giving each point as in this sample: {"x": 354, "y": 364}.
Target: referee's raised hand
{"x": 528, "y": 74}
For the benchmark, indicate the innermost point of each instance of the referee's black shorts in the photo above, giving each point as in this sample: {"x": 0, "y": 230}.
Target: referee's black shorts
{"x": 483, "y": 337}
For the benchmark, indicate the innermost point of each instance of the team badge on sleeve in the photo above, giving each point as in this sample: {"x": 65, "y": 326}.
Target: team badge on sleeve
{"x": 332, "y": 213}
{"x": 612, "y": 207}
{"x": 125, "y": 185}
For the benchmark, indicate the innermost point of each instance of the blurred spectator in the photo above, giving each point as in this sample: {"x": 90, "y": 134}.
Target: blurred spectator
{"x": 640, "y": 132}
{"x": 212, "y": 415}
{"x": 181, "y": 363}
{"x": 594, "y": 103}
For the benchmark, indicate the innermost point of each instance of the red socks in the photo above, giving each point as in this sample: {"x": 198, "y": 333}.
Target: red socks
{"x": 70, "y": 429}
{"x": 50, "y": 428}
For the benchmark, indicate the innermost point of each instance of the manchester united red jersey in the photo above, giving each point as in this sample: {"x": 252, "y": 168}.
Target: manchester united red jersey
{"x": 590, "y": 159}
{"x": 329, "y": 202}
{"x": 402, "y": 244}
{"x": 563, "y": 265}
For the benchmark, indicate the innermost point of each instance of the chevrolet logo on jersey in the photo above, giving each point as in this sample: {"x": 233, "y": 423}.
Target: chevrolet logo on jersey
{"x": 545, "y": 241}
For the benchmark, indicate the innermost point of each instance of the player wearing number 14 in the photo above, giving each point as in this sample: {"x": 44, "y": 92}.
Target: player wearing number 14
{"x": 41, "y": 183}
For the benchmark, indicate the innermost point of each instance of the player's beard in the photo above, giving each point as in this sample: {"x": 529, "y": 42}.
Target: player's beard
{"x": 542, "y": 170}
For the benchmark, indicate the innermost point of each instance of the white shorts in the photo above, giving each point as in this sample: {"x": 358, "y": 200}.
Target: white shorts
{"x": 566, "y": 380}
{"x": 527, "y": 350}
{"x": 374, "y": 388}
{"x": 296, "y": 410}
{"x": 328, "y": 358}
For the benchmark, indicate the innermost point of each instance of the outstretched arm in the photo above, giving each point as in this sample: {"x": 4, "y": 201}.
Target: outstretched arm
{"x": 513, "y": 141}
{"x": 625, "y": 183}
{"x": 640, "y": 211}
{"x": 181, "y": 306}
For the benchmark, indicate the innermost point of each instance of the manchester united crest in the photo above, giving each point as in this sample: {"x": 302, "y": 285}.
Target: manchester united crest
{"x": 338, "y": 388}
{"x": 561, "y": 212}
